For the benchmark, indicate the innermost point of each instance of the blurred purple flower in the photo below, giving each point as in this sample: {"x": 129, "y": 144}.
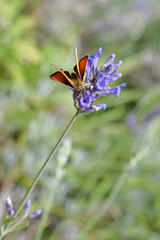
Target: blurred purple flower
{"x": 27, "y": 206}
{"x": 152, "y": 114}
{"x": 35, "y": 213}
{"x": 141, "y": 5}
{"x": 131, "y": 120}
{"x": 139, "y": 127}
{"x": 9, "y": 206}
{"x": 96, "y": 83}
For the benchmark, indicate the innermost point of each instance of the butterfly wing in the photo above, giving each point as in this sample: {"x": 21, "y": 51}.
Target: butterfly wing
{"x": 59, "y": 77}
{"x": 82, "y": 67}
{"x": 62, "y": 77}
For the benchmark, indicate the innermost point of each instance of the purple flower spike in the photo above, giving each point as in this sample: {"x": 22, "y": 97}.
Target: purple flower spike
{"x": 27, "y": 206}
{"x": 35, "y": 213}
{"x": 96, "y": 83}
{"x": 9, "y": 206}
{"x": 92, "y": 62}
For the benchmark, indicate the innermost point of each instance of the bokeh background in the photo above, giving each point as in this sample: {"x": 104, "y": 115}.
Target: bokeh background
{"x": 34, "y": 110}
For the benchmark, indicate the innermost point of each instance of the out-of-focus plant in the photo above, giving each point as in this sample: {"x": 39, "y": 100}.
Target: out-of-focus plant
{"x": 20, "y": 54}
{"x": 32, "y": 114}
{"x": 15, "y": 223}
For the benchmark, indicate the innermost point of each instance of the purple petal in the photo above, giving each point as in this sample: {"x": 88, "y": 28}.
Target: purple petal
{"x": 104, "y": 79}
{"x": 108, "y": 69}
{"x": 35, "y": 213}
{"x": 92, "y": 62}
{"x": 27, "y": 205}
{"x": 131, "y": 120}
{"x": 116, "y": 90}
{"x": 97, "y": 55}
{"x": 88, "y": 67}
{"x": 99, "y": 106}
{"x": 102, "y": 83}
{"x": 115, "y": 67}
{"x": 102, "y": 106}
{"x": 86, "y": 99}
{"x": 116, "y": 76}
{"x": 11, "y": 213}
{"x": 9, "y": 206}
{"x": 110, "y": 59}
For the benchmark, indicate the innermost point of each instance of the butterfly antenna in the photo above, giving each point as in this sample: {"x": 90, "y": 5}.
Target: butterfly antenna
{"x": 77, "y": 62}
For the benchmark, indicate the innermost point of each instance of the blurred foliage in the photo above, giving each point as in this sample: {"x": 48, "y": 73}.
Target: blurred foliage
{"x": 34, "y": 111}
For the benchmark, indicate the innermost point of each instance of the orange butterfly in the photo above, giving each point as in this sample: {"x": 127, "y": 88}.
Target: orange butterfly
{"x": 75, "y": 79}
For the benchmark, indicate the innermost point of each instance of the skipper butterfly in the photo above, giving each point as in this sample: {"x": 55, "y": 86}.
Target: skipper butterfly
{"x": 74, "y": 80}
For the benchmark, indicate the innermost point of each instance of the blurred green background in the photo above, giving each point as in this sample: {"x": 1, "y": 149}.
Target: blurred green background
{"x": 34, "y": 110}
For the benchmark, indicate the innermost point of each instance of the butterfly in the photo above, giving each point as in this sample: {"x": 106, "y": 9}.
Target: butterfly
{"x": 74, "y": 80}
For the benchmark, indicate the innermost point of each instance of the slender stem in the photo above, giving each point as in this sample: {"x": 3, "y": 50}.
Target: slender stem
{"x": 43, "y": 167}
{"x": 115, "y": 192}
{"x": 48, "y": 205}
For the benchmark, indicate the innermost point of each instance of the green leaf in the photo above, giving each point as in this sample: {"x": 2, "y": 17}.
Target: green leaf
{"x": 18, "y": 227}
{"x": 8, "y": 220}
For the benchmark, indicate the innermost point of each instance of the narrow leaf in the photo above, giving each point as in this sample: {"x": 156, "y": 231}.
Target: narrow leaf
{"x": 19, "y": 227}
{"x": 8, "y": 220}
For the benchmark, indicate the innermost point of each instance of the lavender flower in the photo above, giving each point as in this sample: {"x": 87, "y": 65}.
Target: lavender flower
{"x": 27, "y": 206}
{"x": 32, "y": 214}
{"x": 35, "y": 213}
{"x": 9, "y": 206}
{"x": 96, "y": 83}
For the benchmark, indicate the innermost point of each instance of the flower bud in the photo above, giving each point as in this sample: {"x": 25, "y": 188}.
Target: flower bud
{"x": 27, "y": 205}
{"x": 9, "y": 206}
{"x": 35, "y": 213}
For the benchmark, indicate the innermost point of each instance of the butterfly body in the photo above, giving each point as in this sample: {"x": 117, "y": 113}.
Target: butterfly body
{"x": 78, "y": 84}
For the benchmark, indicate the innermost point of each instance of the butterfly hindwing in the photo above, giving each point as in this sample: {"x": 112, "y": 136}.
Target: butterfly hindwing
{"x": 74, "y": 76}
{"x": 68, "y": 74}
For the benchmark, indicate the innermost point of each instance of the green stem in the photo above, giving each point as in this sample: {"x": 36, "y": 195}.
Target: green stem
{"x": 42, "y": 168}
{"x": 47, "y": 209}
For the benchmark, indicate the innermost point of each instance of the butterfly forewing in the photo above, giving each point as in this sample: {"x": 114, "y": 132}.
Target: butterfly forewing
{"x": 75, "y": 80}
{"x": 59, "y": 77}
